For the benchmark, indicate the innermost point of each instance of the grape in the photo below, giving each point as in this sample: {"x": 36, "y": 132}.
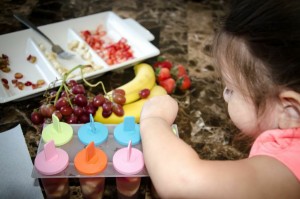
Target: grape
{"x": 106, "y": 100}
{"x": 36, "y": 117}
{"x": 72, "y": 119}
{"x": 119, "y": 91}
{"x": 118, "y": 109}
{"x": 52, "y": 94}
{"x": 84, "y": 118}
{"x": 71, "y": 83}
{"x": 63, "y": 94}
{"x": 63, "y": 101}
{"x": 78, "y": 89}
{"x": 77, "y": 110}
{"x": 90, "y": 109}
{"x": 98, "y": 100}
{"x": 58, "y": 114}
{"x": 144, "y": 93}
{"x": 118, "y": 98}
{"x": 106, "y": 114}
{"x": 107, "y": 106}
{"x": 80, "y": 100}
{"x": 66, "y": 110}
{"x": 46, "y": 110}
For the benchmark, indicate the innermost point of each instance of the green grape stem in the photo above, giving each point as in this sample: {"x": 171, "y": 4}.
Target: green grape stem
{"x": 94, "y": 85}
{"x": 65, "y": 77}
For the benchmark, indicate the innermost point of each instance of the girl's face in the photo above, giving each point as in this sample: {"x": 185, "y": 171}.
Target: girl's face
{"x": 243, "y": 113}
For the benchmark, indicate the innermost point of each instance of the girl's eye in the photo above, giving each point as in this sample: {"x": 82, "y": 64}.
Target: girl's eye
{"x": 227, "y": 93}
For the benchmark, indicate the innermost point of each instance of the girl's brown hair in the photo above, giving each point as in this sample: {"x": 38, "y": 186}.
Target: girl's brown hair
{"x": 259, "y": 46}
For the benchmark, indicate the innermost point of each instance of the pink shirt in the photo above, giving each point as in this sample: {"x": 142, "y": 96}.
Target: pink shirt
{"x": 284, "y": 145}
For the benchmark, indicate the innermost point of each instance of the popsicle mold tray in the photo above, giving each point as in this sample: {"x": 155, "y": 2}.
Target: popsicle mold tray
{"x": 110, "y": 146}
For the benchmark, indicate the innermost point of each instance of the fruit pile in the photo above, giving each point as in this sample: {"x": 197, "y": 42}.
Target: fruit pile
{"x": 171, "y": 77}
{"x": 71, "y": 104}
{"x": 137, "y": 91}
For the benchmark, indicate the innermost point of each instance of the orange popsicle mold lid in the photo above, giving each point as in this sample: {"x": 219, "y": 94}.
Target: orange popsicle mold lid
{"x": 90, "y": 160}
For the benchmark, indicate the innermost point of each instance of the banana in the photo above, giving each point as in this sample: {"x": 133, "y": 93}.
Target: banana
{"x": 133, "y": 109}
{"x": 144, "y": 78}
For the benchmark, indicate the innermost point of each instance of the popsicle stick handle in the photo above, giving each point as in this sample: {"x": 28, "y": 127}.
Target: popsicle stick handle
{"x": 56, "y": 123}
{"x": 92, "y": 124}
{"x": 90, "y": 150}
{"x": 129, "y": 148}
{"x": 50, "y": 151}
{"x": 129, "y": 124}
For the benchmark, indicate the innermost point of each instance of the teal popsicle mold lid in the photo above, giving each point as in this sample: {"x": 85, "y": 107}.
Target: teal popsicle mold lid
{"x": 127, "y": 131}
{"x": 60, "y": 132}
{"x": 93, "y": 132}
{"x": 51, "y": 160}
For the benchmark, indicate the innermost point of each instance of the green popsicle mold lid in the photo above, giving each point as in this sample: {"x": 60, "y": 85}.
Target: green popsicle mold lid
{"x": 60, "y": 132}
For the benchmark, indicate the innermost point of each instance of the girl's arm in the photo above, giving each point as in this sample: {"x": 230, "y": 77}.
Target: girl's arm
{"x": 178, "y": 172}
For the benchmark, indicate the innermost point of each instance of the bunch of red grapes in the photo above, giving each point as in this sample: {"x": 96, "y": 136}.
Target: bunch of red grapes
{"x": 73, "y": 106}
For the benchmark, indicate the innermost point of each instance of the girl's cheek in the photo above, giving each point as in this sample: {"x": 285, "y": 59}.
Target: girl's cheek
{"x": 243, "y": 115}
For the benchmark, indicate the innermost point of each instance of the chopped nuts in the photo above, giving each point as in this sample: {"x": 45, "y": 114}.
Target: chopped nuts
{"x": 18, "y": 75}
{"x": 20, "y": 85}
{"x": 4, "y": 63}
{"x": 31, "y": 58}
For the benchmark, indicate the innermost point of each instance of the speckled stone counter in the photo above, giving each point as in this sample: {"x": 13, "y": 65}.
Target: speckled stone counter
{"x": 183, "y": 31}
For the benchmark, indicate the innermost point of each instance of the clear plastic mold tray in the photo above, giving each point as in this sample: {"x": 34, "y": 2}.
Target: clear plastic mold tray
{"x": 109, "y": 147}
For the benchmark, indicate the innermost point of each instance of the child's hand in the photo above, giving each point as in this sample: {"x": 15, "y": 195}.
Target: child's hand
{"x": 164, "y": 107}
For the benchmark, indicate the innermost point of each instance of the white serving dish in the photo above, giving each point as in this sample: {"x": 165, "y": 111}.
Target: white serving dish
{"x": 18, "y": 45}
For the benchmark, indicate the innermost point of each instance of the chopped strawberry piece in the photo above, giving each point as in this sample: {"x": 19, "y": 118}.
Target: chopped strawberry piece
{"x": 111, "y": 52}
{"x": 86, "y": 33}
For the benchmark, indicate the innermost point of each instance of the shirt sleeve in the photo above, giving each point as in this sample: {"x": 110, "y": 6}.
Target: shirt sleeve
{"x": 282, "y": 144}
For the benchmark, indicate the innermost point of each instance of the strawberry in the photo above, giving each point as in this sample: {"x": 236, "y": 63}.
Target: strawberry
{"x": 178, "y": 71}
{"x": 183, "y": 83}
{"x": 162, "y": 74}
{"x": 169, "y": 85}
{"x": 162, "y": 63}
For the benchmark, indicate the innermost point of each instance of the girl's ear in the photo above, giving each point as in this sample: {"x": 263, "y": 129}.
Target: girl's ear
{"x": 290, "y": 114}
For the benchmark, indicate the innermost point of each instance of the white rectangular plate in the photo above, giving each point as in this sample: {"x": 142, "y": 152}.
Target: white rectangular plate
{"x": 18, "y": 45}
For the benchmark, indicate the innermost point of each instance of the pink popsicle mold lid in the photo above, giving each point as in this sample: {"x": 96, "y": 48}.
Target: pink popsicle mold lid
{"x": 90, "y": 160}
{"x": 51, "y": 160}
{"x": 128, "y": 160}
{"x": 60, "y": 132}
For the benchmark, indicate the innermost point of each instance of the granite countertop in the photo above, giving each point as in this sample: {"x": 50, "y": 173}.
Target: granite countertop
{"x": 184, "y": 31}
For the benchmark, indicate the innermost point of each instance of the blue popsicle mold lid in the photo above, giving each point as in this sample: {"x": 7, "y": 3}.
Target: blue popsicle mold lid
{"x": 93, "y": 132}
{"x": 126, "y": 131}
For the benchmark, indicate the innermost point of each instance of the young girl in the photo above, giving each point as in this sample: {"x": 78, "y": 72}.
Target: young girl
{"x": 258, "y": 54}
